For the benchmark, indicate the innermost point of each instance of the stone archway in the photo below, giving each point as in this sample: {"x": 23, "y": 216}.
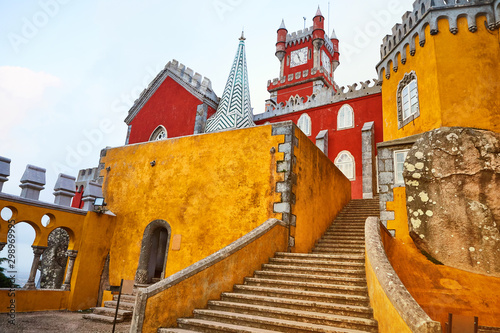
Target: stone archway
{"x": 154, "y": 252}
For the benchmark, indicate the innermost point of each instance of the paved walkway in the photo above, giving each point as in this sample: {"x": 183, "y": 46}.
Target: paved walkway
{"x": 56, "y": 321}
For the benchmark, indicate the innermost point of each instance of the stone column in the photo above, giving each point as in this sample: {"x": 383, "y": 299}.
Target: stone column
{"x": 4, "y": 170}
{"x": 64, "y": 190}
{"x": 32, "y": 182}
{"x": 201, "y": 118}
{"x": 322, "y": 141}
{"x": 92, "y": 192}
{"x": 38, "y": 251}
{"x": 69, "y": 272}
{"x": 368, "y": 159}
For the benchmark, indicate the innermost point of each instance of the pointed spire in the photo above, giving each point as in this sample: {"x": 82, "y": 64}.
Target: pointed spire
{"x": 282, "y": 26}
{"x": 334, "y": 35}
{"x": 234, "y": 110}
{"x": 318, "y": 12}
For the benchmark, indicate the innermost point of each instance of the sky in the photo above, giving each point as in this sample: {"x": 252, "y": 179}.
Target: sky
{"x": 70, "y": 70}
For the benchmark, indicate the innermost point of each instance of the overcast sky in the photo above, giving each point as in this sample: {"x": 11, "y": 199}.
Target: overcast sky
{"x": 70, "y": 70}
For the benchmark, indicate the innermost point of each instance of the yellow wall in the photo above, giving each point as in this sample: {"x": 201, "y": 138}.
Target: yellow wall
{"x": 178, "y": 301}
{"x": 35, "y": 300}
{"x": 458, "y": 81}
{"x": 388, "y": 318}
{"x": 97, "y": 233}
{"x": 321, "y": 192}
{"x": 90, "y": 234}
{"x": 439, "y": 289}
{"x": 211, "y": 189}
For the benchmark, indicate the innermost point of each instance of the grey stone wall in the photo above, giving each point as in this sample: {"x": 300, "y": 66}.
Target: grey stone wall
{"x": 368, "y": 159}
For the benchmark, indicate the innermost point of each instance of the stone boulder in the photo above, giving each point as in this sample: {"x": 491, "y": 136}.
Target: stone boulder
{"x": 54, "y": 259}
{"x": 452, "y": 178}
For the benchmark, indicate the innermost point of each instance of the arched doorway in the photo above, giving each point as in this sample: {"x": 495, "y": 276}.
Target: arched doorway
{"x": 154, "y": 252}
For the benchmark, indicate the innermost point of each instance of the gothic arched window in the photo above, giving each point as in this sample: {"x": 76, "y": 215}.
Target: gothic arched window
{"x": 345, "y": 163}
{"x": 345, "y": 117}
{"x": 160, "y": 133}
{"x": 304, "y": 124}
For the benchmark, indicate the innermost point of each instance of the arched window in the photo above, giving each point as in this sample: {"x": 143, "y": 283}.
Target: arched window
{"x": 160, "y": 133}
{"x": 345, "y": 163}
{"x": 345, "y": 117}
{"x": 304, "y": 124}
{"x": 407, "y": 97}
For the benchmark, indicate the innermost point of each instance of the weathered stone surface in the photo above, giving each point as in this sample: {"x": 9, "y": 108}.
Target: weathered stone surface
{"x": 54, "y": 260}
{"x": 452, "y": 178}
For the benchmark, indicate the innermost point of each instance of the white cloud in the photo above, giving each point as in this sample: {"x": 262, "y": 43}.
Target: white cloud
{"x": 22, "y": 91}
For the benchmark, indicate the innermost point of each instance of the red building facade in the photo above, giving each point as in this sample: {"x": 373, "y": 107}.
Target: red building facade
{"x": 346, "y": 125}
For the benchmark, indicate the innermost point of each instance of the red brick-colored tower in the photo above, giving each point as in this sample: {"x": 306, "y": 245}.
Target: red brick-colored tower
{"x": 307, "y": 58}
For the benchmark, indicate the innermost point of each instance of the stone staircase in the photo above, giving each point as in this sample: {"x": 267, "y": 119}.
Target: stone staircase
{"x": 323, "y": 291}
{"x": 107, "y": 313}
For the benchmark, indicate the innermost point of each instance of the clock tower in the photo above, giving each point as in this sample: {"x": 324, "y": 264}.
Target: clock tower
{"x": 307, "y": 58}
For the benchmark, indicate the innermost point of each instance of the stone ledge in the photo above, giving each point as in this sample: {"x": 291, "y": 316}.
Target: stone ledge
{"x": 410, "y": 311}
{"x": 36, "y": 203}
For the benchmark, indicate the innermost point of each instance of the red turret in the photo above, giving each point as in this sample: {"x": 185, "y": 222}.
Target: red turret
{"x": 318, "y": 26}
{"x": 281, "y": 43}
{"x": 336, "y": 53}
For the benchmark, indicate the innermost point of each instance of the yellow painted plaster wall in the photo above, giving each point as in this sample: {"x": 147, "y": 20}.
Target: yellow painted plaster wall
{"x": 425, "y": 67}
{"x": 469, "y": 75}
{"x": 321, "y": 192}
{"x": 97, "y": 233}
{"x": 211, "y": 189}
{"x": 90, "y": 234}
{"x": 439, "y": 289}
{"x": 178, "y": 301}
{"x": 388, "y": 318}
{"x": 458, "y": 81}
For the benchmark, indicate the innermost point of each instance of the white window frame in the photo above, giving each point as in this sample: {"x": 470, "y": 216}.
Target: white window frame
{"x": 399, "y": 180}
{"x": 340, "y": 165}
{"x": 409, "y": 110}
{"x": 160, "y": 133}
{"x": 346, "y": 109}
{"x": 305, "y": 124}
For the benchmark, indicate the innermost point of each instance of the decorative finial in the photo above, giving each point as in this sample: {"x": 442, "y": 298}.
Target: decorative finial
{"x": 282, "y": 26}
{"x": 242, "y": 35}
{"x": 318, "y": 12}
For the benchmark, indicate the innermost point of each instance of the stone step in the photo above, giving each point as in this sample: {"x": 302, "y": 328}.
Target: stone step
{"x": 299, "y": 304}
{"x": 200, "y": 325}
{"x": 335, "y": 251}
{"x": 332, "y": 248}
{"x": 175, "y": 330}
{"x": 303, "y": 294}
{"x": 346, "y": 233}
{"x": 316, "y": 263}
{"x": 102, "y": 318}
{"x": 310, "y": 286}
{"x": 333, "y": 242}
{"x": 334, "y": 237}
{"x": 351, "y": 281}
{"x": 318, "y": 256}
{"x": 311, "y": 317}
{"x": 275, "y": 324}
{"x": 314, "y": 270}
{"x": 110, "y": 312}
{"x": 125, "y": 298}
{"x": 123, "y": 305}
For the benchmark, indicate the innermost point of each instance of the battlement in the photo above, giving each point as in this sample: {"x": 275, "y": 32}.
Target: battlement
{"x": 324, "y": 97}
{"x": 199, "y": 86}
{"x": 427, "y": 13}
{"x": 33, "y": 182}
{"x": 302, "y": 36}
{"x": 297, "y": 77}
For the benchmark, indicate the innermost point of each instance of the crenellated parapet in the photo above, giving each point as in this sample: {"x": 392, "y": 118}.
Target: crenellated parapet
{"x": 305, "y": 35}
{"x": 199, "y": 86}
{"x": 33, "y": 181}
{"x": 427, "y": 13}
{"x": 322, "y": 97}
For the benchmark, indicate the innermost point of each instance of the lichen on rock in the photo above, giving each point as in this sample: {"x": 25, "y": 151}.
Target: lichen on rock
{"x": 458, "y": 171}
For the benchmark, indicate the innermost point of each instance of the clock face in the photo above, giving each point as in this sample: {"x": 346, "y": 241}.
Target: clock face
{"x": 298, "y": 57}
{"x": 326, "y": 62}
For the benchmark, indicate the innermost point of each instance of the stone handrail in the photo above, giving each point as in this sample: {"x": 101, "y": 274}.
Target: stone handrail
{"x": 410, "y": 311}
{"x": 176, "y": 279}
